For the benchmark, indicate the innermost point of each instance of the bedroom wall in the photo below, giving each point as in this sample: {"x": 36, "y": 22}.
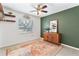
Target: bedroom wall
{"x": 10, "y": 34}
{"x": 68, "y": 25}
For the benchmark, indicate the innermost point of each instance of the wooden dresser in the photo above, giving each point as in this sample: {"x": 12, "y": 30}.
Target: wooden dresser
{"x": 52, "y": 37}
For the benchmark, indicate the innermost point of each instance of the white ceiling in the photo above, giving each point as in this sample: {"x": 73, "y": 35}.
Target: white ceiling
{"x": 27, "y": 7}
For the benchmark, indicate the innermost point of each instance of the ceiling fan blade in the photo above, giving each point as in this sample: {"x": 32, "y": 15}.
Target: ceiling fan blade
{"x": 45, "y": 6}
{"x": 44, "y": 11}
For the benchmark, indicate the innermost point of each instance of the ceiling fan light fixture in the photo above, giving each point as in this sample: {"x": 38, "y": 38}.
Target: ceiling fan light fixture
{"x": 40, "y": 8}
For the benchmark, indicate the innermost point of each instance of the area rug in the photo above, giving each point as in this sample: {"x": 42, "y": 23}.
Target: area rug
{"x": 35, "y": 48}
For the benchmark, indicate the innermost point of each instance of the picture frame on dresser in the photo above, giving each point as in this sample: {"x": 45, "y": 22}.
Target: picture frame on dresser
{"x": 54, "y": 25}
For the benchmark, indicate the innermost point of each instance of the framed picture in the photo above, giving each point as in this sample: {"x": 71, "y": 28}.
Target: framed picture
{"x": 54, "y": 26}
{"x": 25, "y": 25}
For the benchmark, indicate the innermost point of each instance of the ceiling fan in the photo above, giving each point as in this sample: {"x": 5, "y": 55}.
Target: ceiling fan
{"x": 39, "y": 8}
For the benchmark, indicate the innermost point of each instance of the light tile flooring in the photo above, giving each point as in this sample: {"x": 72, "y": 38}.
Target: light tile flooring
{"x": 65, "y": 51}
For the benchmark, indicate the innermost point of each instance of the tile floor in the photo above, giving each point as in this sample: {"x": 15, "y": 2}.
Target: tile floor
{"x": 66, "y": 51}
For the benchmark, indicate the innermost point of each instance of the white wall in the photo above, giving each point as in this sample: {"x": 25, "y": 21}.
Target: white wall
{"x": 9, "y": 33}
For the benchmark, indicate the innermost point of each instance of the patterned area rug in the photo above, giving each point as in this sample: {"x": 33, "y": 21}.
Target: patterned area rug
{"x": 35, "y": 48}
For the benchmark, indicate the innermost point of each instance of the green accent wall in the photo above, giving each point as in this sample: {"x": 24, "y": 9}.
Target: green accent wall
{"x": 68, "y": 25}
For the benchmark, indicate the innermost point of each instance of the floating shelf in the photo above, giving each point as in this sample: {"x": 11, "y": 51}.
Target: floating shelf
{"x": 8, "y": 20}
{"x": 9, "y": 15}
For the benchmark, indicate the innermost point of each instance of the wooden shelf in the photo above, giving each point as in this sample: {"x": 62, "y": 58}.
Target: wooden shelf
{"x": 8, "y": 20}
{"x": 9, "y": 15}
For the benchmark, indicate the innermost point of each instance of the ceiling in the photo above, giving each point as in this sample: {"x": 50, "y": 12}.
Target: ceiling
{"x": 27, "y": 7}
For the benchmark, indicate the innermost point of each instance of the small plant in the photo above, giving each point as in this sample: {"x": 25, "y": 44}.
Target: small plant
{"x": 47, "y": 29}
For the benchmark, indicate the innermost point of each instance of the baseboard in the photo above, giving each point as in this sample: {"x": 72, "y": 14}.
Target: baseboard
{"x": 70, "y": 46}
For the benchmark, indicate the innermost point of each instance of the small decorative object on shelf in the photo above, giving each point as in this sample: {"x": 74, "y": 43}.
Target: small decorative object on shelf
{"x": 10, "y": 13}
